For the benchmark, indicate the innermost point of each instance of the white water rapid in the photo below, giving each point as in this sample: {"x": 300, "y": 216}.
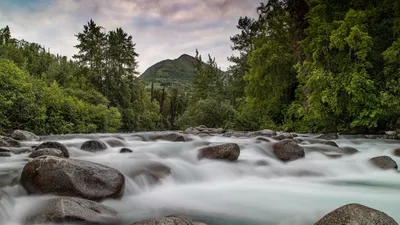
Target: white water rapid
{"x": 221, "y": 193}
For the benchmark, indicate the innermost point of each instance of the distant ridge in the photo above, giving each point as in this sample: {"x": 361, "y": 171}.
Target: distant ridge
{"x": 169, "y": 72}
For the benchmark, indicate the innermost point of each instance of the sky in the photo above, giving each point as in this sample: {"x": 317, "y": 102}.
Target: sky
{"x": 161, "y": 29}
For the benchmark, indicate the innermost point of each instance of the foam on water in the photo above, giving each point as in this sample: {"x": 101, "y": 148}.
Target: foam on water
{"x": 218, "y": 192}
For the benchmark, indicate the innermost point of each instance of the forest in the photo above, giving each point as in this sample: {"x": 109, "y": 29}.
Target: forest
{"x": 301, "y": 65}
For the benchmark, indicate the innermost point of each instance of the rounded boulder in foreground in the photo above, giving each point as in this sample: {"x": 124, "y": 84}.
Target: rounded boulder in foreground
{"x": 230, "y": 151}
{"x": 67, "y": 210}
{"x": 93, "y": 146}
{"x": 356, "y": 214}
{"x": 288, "y": 150}
{"x": 72, "y": 177}
{"x": 55, "y": 145}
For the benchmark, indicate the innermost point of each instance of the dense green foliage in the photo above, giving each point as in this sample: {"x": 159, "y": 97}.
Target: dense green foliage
{"x": 304, "y": 65}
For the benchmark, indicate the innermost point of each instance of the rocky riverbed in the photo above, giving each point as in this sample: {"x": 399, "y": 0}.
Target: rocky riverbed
{"x": 199, "y": 176}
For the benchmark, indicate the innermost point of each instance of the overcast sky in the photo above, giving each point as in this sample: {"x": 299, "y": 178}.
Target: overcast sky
{"x": 161, "y": 29}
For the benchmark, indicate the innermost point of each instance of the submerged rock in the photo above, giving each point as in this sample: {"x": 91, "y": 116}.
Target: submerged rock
{"x": 174, "y": 137}
{"x": 54, "y": 145}
{"x": 4, "y": 152}
{"x": 114, "y": 142}
{"x": 331, "y": 136}
{"x": 356, "y": 214}
{"x": 125, "y": 150}
{"x": 169, "y": 220}
{"x": 93, "y": 146}
{"x": 72, "y": 177}
{"x": 47, "y": 151}
{"x": 24, "y": 135}
{"x": 9, "y": 142}
{"x": 288, "y": 150}
{"x": 331, "y": 143}
{"x": 396, "y": 152}
{"x": 70, "y": 210}
{"x": 154, "y": 171}
{"x": 384, "y": 162}
{"x": 349, "y": 150}
{"x": 230, "y": 151}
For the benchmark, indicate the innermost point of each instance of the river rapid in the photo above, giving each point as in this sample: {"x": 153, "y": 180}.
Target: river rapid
{"x": 218, "y": 192}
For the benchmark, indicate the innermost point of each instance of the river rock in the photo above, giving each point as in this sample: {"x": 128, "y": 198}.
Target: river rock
{"x": 230, "y": 151}
{"x": 54, "y": 145}
{"x": 349, "y": 150}
{"x": 125, "y": 150}
{"x": 93, "y": 146}
{"x": 331, "y": 136}
{"x": 72, "y": 210}
{"x": 9, "y": 142}
{"x": 114, "y": 142}
{"x": 46, "y": 151}
{"x": 384, "y": 162}
{"x": 331, "y": 143}
{"x": 24, "y": 135}
{"x": 396, "y": 152}
{"x": 356, "y": 214}
{"x": 169, "y": 220}
{"x": 72, "y": 177}
{"x": 174, "y": 137}
{"x": 4, "y": 152}
{"x": 288, "y": 150}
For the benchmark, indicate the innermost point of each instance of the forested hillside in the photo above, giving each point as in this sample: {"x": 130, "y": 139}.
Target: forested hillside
{"x": 300, "y": 65}
{"x": 177, "y": 72}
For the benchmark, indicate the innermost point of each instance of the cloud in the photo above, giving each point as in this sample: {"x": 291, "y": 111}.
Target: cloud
{"x": 161, "y": 29}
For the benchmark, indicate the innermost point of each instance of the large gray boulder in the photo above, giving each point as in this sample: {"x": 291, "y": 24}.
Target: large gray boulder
{"x": 24, "y": 135}
{"x": 54, "y": 145}
{"x": 72, "y": 210}
{"x": 93, "y": 146}
{"x": 383, "y": 162}
{"x": 169, "y": 220}
{"x": 230, "y": 151}
{"x": 72, "y": 177}
{"x": 356, "y": 214}
{"x": 288, "y": 150}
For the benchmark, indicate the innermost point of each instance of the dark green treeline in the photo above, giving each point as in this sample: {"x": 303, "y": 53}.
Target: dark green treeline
{"x": 303, "y": 65}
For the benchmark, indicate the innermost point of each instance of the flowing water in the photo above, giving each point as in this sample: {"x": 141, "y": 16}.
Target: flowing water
{"x": 219, "y": 192}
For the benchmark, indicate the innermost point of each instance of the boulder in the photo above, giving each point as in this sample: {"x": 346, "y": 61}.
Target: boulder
{"x": 114, "y": 142}
{"x": 279, "y": 137}
{"x": 174, "y": 137}
{"x": 201, "y": 128}
{"x": 72, "y": 210}
{"x": 331, "y": 143}
{"x": 331, "y": 136}
{"x": 263, "y": 139}
{"x": 349, "y": 150}
{"x": 72, "y": 177}
{"x": 4, "y": 152}
{"x": 384, "y": 162}
{"x": 46, "y": 151}
{"x": 9, "y": 142}
{"x": 24, "y": 135}
{"x": 54, "y": 145}
{"x": 288, "y": 150}
{"x": 230, "y": 151}
{"x": 125, "y": 150}
{"x": 93, "y": 146}
{"x": 169, "y": 220}
{"x": 396, "y": 152}
{"x": 356, "y": 214}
